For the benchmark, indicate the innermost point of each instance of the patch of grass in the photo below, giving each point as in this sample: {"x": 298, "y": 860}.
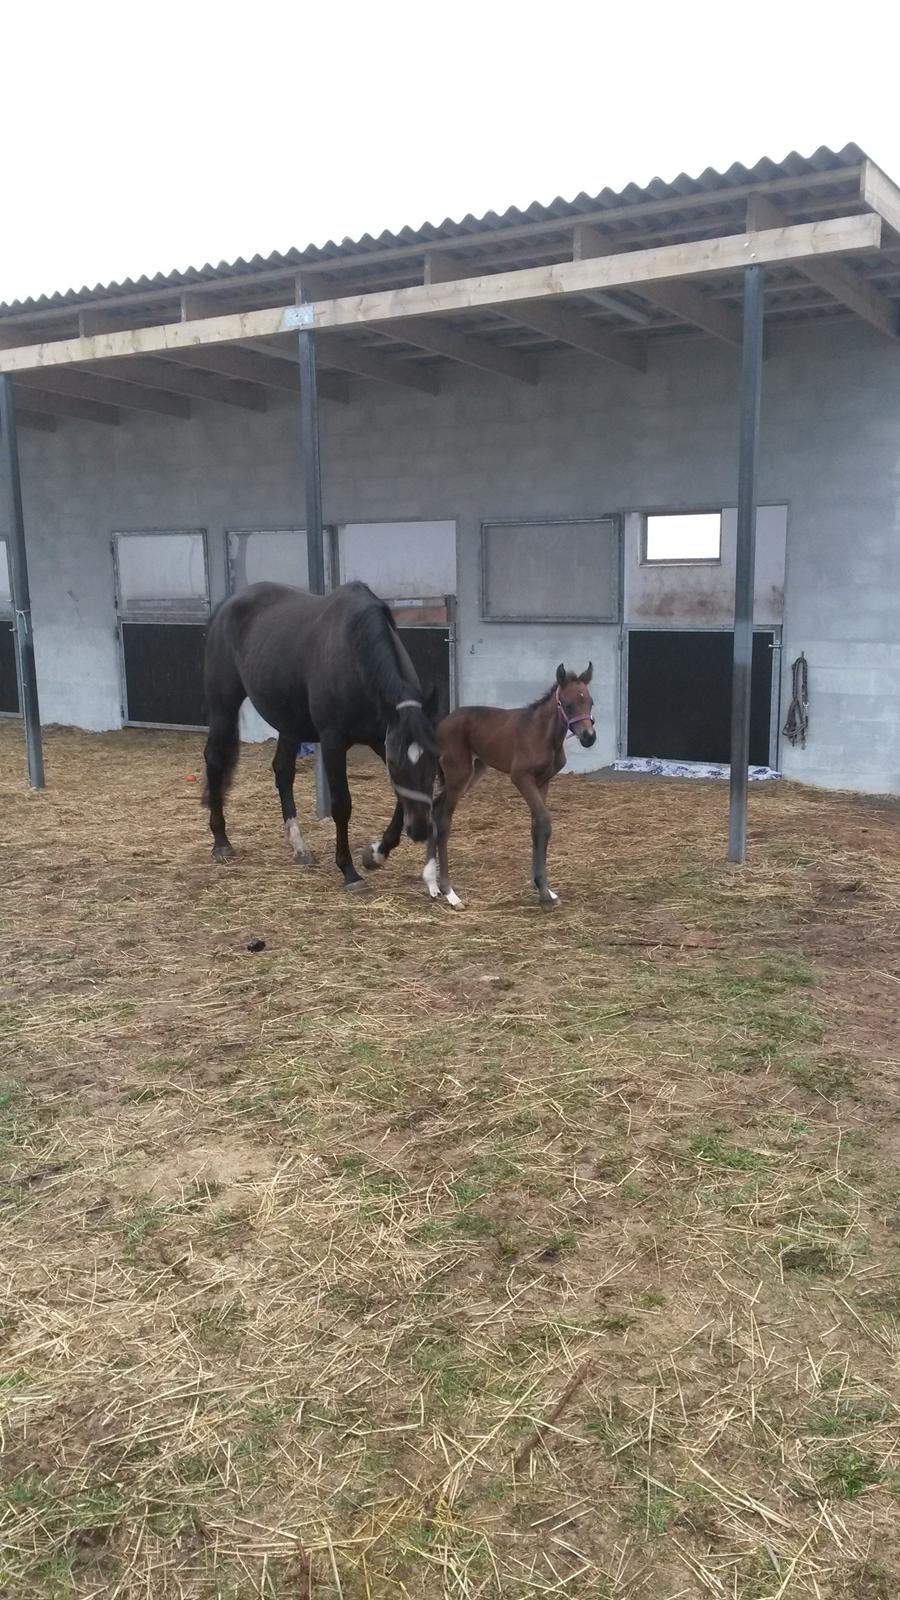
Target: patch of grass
{"x": 846, "y": 1474}
{"x": 139, "y": 1227}
{"x": 811, "y": 1258}
{"x": 711, "y": 1150}
{"x": 652, "y": 1514}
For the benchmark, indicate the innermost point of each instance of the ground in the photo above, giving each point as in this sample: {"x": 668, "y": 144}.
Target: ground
{"x": 426, "y": 1253}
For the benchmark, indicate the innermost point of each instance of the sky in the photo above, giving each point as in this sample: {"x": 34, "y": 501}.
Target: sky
{"x": 145, "y": 138}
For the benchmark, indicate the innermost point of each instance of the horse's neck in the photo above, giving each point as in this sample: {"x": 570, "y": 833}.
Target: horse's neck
{"x": 548, "y": 722}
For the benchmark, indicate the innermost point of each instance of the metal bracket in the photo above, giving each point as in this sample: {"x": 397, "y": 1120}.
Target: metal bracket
{"x": 299, "y": 317}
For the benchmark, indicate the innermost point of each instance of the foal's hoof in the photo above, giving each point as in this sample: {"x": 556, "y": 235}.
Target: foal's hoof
{"x": 223, "y": 852}
{"x": 372, "y": 857}
{"x": 304, "y": 857}
{"x": 549, "y": 899}
{"x": 355, "y": 886}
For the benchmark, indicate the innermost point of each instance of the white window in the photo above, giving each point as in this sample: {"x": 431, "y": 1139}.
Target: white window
{"x": 5, "y": 578}
{"x": 161, "y": 573}
{"x": 683, "y": 536}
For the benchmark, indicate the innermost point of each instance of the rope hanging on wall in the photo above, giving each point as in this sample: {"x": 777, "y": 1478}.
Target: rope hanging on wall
{"x": 797, "y": 724}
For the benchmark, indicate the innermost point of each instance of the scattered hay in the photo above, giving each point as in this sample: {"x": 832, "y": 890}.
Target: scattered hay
{"x": 475, "y": 1254}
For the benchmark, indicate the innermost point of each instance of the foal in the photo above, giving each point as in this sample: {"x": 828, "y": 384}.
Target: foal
{"x": 528, "y": 744}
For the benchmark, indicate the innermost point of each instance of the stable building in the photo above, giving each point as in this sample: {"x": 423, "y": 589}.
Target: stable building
{"x": 524, "y": 431}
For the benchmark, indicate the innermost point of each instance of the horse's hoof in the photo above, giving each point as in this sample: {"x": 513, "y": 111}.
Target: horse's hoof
{"x": 304, "y": 857}
{"x": 372, "y": 857}
{"x": 355, "y": 886}
{"x": 452, "y": 898}
{"x": 549, "y": 900}
{"x": 223, "y": 852}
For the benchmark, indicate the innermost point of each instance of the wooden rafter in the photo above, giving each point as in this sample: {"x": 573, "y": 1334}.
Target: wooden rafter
{"x": 838, "y": 279}
{"x": 364, "y": 363}
{"x": 188, "y": 381}
{"x": 632, "y": 269}
{"x": 63, "y": 405}
{"x": 428, "y": 333}
{"x": 254, "y": 366}
{"x": 560, "y": 323}
{"x": 88, "y": 386}
{"x": 682, "y": 300}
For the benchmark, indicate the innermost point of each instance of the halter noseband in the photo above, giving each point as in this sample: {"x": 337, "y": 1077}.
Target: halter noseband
{"x": 574, "y": 722}
{"x": 412, "y": 794}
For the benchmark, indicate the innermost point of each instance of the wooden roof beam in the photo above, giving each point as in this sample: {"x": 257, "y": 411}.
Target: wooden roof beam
{"x": 877, "y": 191}
{"x": 500, "y": 291}
{"x": 841, "y": 281}
{"x": 253, "y": 366}
{"x": 682, "y": 300}
{"x": 45, "y": 402}
{"x": 185, "y": 380}
{"x": 560, "y": 323}
{"x": 88, "y": 386}
{"x": 428, "y": 334}
{"x": 363, "y": 362}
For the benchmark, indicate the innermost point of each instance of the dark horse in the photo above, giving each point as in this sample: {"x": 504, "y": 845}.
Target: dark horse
{"x": 528, "y": 744}
{"x": 328, "y": 669}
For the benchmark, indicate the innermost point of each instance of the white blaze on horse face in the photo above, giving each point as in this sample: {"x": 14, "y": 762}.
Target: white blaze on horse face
{"x": 415, "y": 753}
{"x": 431, "y": 878}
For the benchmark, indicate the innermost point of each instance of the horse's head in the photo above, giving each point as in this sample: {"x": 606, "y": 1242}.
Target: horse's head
{"x": 574, "y": 703}
{"x": 411, "y": 753}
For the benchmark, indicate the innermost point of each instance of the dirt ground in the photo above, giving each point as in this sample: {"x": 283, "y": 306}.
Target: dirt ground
{"x": 482, "y": 1253}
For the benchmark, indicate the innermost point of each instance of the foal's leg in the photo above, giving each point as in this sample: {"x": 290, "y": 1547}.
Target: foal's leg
{"x": 535, "y": 797}
{"x": 285, "y": 768}
{"x": 334, "y": 755}
{"x": 453, "y": 781}
{"x": 221, "y": 756}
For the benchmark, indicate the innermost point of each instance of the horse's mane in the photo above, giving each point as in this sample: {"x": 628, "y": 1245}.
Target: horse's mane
{"x": 374, "y": 635}
{"x": 543, "y": 698}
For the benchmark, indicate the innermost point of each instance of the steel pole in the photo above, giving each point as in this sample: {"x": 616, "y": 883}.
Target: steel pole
{"x": 745, "y": 568}
{"x": 20, "y": 590}
{"x": 315, "y": 533}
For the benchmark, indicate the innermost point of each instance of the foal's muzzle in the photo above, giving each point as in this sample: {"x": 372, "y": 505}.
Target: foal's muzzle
{"x": 587, "y": 737}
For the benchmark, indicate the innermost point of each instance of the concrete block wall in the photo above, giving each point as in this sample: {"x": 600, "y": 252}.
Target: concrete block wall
{"x": 587, "y": 439}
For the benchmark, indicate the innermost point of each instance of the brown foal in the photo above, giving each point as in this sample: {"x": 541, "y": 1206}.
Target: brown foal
{"x": 526, "y": 742}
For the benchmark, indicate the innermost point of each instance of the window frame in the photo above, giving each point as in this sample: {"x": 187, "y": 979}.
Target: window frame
{"x": 647, "y": 560}
{"x": 563, "y": 618}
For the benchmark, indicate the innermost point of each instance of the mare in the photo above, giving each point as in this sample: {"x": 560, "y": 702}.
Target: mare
{"x": 527, "y": 743}
{"x": 326, "y": 669}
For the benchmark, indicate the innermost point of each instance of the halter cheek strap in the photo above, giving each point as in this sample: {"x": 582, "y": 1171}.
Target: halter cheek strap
{"x": 413, "y": 794}
{"x": 402, "y": 704}
{"x": 575, "y": 721}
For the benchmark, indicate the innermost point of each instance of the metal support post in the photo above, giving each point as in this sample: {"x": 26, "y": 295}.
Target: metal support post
{"x": 21, "y": 594}
{"x": 745, "y": 571}
{"x": 315, "y": 535}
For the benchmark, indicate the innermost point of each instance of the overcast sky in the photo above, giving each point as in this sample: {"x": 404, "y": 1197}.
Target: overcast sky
{"x": 140, "y": 139}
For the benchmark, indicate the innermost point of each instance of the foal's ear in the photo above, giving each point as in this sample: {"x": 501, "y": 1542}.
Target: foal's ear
{"x": 588, "y": 673}
{"x": 561, "y": 675}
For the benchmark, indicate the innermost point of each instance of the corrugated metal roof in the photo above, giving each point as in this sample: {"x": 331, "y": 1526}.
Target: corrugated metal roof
{"x": 470, "y": 230}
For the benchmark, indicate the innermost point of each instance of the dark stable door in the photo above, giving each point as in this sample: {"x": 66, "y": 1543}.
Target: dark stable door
{"x": 679, "y": 696}
{"x": 164, "y": 673}
{"x": 429, "y": 652}
{"x": 9, "y": 681}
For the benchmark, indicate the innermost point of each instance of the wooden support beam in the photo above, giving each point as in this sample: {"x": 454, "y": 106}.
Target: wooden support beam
{"x": 428, "y": 334}
{"x": 186, "y": 380}
{"x": 365, "y": 363}
{"x": 63, "y": 405}
{"x": 36, "y": 420}
{"x": 558, "y": 322}
{"x": 682, "y": 300}
{"x": 842, "y": 282}
{"x": 88, "y": 386}
{"x": 877, "y": 190}
{"x": 255, "y": 366}
{"x": 803, "y": 242}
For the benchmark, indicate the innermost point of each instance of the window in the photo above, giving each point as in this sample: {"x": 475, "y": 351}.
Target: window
{"x": 551, "y": 571}
{"x": 161, "y": 573}
{"x": 5, "y": 578}
{"x": 683, "y": 536}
